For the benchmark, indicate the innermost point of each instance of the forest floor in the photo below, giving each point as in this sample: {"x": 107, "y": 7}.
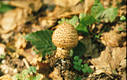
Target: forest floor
{"x": 27, "y": 53}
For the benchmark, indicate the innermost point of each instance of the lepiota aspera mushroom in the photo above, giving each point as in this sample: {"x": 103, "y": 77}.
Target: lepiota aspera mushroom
{"x": 65, "y": 37}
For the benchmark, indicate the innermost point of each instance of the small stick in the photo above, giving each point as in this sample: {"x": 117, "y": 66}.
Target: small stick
{"x": 26, "y": 63}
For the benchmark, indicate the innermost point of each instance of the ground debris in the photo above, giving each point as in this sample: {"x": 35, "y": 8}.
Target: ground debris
{"x": 109, "y": 60}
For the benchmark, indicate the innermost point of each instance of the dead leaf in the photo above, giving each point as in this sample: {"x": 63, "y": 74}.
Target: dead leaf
{"x": 87, "y": 6}
{"x": 66, "y": 3}
{"x": 109, "y": 59}
{"x": 102, "y": 63}
{"x": 111, "y": 39}
{"x": 43, "y": 68}
{"x": 13, "y": 18}
{"x": 27, "y": 4}
{"x": 118, "y": 55}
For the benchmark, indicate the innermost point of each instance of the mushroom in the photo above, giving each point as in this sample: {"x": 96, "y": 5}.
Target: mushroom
{"x": 65, "y": 37}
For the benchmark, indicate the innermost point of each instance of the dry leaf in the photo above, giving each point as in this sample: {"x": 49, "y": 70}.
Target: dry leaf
{"x": 87, "y": 6}
{"x": 109, "y": 59}
{"x": 111, "y": 39}
{"x": 118, "y": 55}
{"x": 13, "y": 18}
{"x": 35, "y": 5}
{"x": 66, "y": 3}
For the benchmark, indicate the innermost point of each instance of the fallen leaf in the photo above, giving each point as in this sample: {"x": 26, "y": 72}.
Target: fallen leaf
{"x": 109, "y": 59}
{"x": 111, "y": 39}
{"x": 27, "y": 4}
{"x": 88, "y": 4}
{"x": 13, "y": 18}
{"x": 66, "y": 3}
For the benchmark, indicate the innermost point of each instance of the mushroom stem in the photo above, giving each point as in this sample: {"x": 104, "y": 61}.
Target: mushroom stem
{"x": 62, "y": 53}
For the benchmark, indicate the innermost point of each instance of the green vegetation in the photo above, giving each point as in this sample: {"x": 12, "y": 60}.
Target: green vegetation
{"x": 5, "y": 7}
{"x": 78, "y": 78}
{"x": 2, "y": 56}
{"x": 42, "y": 41}
{"x": 97, "y": 13}
{"x": 123, "y": 18}
{"x": 27, "y": 74}
{"x": 81, "y": 67}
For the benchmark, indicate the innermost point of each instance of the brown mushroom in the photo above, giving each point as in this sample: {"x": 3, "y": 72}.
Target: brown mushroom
{"x": 64, "y": 38}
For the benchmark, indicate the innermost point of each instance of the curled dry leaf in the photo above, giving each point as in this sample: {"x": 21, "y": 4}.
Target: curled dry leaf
{"x": 118, "y": 57}
{"x": 13, "y": 18}
{"x": 111, "y": 39}
{"x": 109, "y": 60}
{"x": 27, "y": 4}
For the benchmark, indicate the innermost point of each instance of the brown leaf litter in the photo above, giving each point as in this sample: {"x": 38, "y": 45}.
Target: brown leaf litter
{"x": 109, "y": 60}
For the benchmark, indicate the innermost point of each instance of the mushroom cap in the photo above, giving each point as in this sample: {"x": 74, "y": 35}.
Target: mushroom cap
{"x": 65, "y": 36}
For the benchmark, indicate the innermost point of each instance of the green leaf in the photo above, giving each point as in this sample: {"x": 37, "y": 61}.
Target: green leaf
{"x": 32, "y": 69}
{"x": 73, "y": 21}
{"x": 5, "y": 7}
{"x": 42, "y": 41}
{"x": 80, "y": 61}
{"x": 86, "y": 69}
{"x": 78, "y": 78}
{"x": 109, "y": 14}
{"x": 78, "y": 68}
{"x": 97, "y": 9}
{"x": 123, "y": 18}
{"x": 76, "y": 58}
{"x": 85, "y": 21}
